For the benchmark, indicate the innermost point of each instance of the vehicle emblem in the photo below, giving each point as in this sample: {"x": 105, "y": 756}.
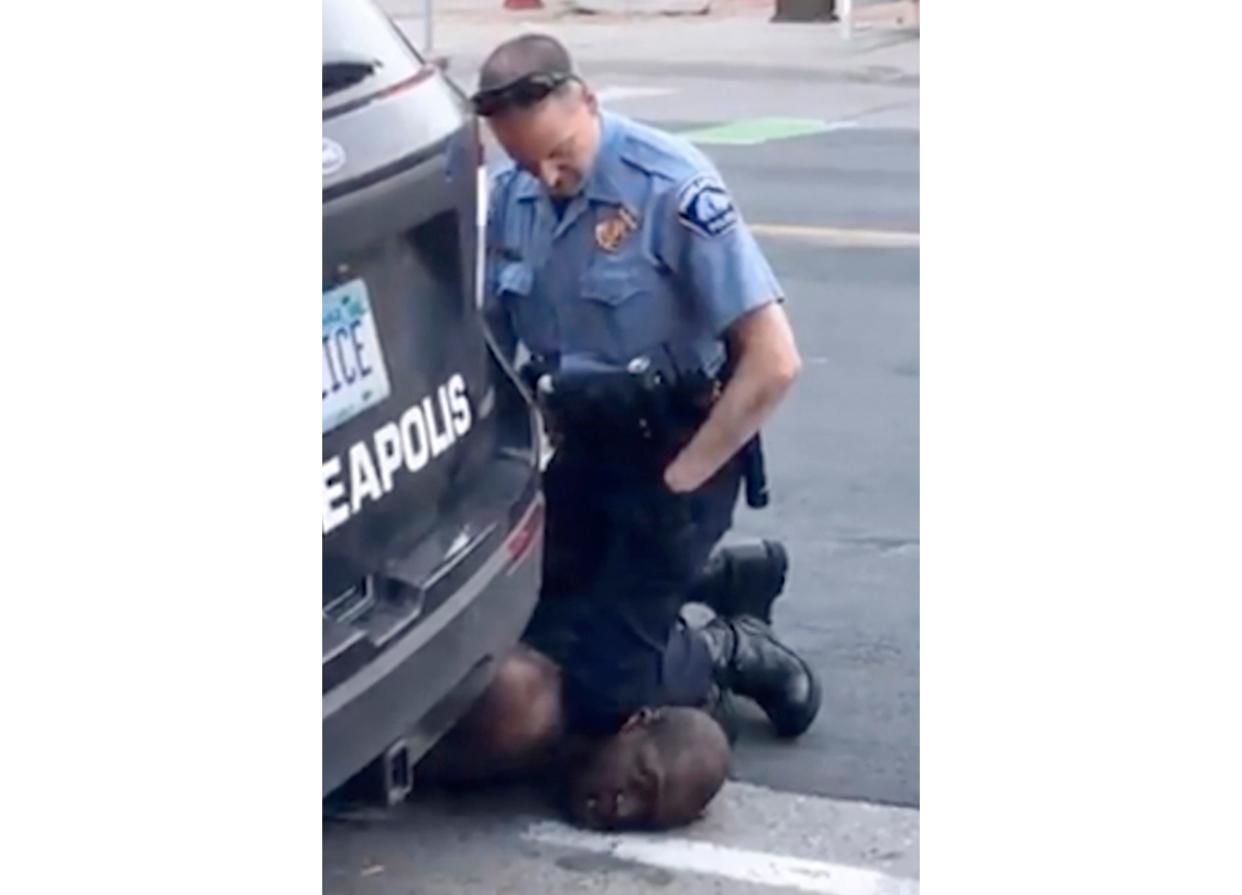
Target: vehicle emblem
{"x": 333, "y": 157}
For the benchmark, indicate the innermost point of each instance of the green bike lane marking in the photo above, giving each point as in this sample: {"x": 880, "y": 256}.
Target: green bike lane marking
{"x": 754, "y": 131}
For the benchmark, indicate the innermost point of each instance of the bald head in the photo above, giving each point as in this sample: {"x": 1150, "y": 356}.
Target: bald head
{"x": 540, "y": 112}
{"x": 521, "y": 57}
{"x": 660, "y": 771}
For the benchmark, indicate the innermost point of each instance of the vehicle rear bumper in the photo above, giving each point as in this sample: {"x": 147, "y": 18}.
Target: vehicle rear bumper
{"x": 419, "y": 686}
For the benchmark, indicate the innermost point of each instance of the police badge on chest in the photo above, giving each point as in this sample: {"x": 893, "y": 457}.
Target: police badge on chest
{"x": 614, "y": 228}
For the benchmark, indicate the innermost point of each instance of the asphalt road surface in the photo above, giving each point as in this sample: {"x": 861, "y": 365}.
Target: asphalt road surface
{"x": 837, "y": 213}
{"x": 843, "y": 455}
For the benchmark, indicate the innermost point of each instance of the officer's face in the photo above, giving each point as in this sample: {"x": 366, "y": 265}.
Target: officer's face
{"x": 556, "y": 140}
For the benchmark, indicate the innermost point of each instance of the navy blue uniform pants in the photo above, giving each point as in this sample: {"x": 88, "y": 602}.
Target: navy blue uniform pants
{"x": 621, "y": 553}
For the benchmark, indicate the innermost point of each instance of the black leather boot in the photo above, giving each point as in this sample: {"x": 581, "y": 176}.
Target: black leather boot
{"x": 749, "y": 660}
{"x": 743, "y": 580}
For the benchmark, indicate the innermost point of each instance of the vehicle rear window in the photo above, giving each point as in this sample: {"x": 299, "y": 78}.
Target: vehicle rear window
{"x": 362, "y": 52}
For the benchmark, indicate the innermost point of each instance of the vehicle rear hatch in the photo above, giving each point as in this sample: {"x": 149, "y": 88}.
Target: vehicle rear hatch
{"x": 428, "y": 449}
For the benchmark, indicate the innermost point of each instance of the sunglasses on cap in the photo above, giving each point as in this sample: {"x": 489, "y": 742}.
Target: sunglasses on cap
{"x": 525, "y": 91}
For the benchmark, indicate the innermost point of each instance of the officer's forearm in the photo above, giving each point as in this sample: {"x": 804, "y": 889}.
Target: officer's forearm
{"x": 766, "y": 364}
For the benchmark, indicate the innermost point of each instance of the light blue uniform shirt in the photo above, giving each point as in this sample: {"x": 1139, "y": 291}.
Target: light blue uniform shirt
{"x": 651, "y": 258}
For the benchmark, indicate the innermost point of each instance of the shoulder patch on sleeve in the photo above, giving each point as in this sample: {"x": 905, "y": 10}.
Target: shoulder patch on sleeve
{"x": 704, "y": 205}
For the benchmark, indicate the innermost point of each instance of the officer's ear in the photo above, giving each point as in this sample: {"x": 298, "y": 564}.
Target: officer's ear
{"x": 589, "y": 97}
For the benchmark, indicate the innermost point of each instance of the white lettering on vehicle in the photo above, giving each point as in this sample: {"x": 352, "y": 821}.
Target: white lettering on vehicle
{"x": 388, "y": 452}
{"x": 363, "y": 482}
{"x": 460, "y": 404}
{"x": 423, "y": 432}
{"x": 334, "y": 512}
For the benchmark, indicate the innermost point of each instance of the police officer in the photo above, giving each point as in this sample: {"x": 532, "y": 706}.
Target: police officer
{"x": 610, "y": 241}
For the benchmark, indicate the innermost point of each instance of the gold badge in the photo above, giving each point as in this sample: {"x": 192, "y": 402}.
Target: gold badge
{"x": 613, "y": 230}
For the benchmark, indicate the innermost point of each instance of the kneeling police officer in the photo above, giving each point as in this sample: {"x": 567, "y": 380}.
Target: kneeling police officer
{"x": 658, "y": 347}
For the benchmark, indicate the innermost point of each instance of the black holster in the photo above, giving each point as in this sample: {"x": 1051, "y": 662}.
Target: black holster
{"x": 637, "y": 415}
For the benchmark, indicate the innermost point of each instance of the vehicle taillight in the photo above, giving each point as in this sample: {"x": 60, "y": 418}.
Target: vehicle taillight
{"x": 525, "y": 534}
{"x": 405, "y": 84}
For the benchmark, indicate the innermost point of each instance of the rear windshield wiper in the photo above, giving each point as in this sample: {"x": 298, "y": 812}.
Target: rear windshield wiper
{"x": 343, "y": 70}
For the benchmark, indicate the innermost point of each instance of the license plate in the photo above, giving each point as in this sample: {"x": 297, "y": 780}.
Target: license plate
{"x": 354, "y": 375}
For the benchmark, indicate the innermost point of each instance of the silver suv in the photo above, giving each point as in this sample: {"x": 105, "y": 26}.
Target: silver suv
{"x": 432, "y": 515}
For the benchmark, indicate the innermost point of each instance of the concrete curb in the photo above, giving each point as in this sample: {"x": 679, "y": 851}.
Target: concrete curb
{"x": 642, "y": 7}
{"x": 717, "y": 46}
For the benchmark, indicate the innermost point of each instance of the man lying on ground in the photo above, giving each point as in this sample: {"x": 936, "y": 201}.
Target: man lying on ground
{"x": 662, "y": 765}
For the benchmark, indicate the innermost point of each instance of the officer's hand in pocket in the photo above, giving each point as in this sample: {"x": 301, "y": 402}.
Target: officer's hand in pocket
{"x": 678, "y": 479}
{"x": 674, "y": 510}
{"x": 671, "y": 524}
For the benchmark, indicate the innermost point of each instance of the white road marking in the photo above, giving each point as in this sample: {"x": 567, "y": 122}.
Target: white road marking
{"x": 616, "y": 93}
{"x": 757, "y": 131}
{"x": 839, "y": 235}
{"x": 692, "y": 856}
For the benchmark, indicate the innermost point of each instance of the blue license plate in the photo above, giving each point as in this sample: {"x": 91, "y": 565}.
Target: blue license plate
{"x": 354, "y": 375}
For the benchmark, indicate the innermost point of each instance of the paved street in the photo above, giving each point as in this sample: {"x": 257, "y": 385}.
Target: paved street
{"x": 844, "y": 458}
{"x": 837, "y": 210}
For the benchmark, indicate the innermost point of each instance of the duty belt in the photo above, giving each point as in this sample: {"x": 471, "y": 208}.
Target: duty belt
{"x": 635, "y": 414}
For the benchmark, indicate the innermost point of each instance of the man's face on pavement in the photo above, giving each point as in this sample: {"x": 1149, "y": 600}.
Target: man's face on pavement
{"x": 555, "y": 140}
{"x": 659, "y": 771}
{"x": 617, "y": 787}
